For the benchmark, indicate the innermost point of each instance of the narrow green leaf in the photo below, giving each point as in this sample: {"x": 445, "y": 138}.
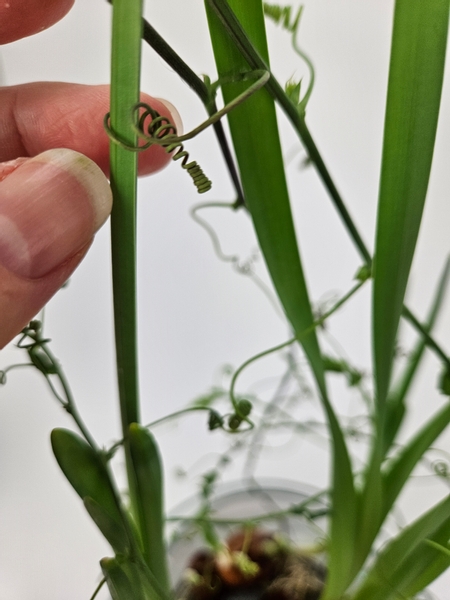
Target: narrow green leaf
{"x": 343, "y": 521}
{"x": 254, "y": 131}
{"x": 149, "y": 485}
{"x": 394, "y": 570}
{"x": 125, "y": 76}
{"x": 444, "y": 382}
{"x": 401, "y": 467}
{"x": 426, "y": 563}
{"x": 414, "y": 91}
{"x": 126, "y": 45}
{"x": 87, "y": 474}
{"x": 395, "y": 407}
{"x": 370, "y": 509}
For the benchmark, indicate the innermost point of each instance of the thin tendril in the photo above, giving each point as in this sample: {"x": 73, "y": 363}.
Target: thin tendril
{"x": 298, "y": 509}
{"x": 256, "y": 442}
{"x": 161, "y": 132}
{"x": 164, "y": 419}
{"x": 34, "y": 333}
{"x": 317, "y": 323}
{"x": 262, "y": 77}
{"x": 98, "y": 588}
{"x": 71, "y": 406}
{"x": 282, "y": 15}
{"x": 16, "y": 366}
{"x": 234, "y": 259}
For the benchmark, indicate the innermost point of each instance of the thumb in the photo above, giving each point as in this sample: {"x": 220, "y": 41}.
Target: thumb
{"x": 51, "y": 205}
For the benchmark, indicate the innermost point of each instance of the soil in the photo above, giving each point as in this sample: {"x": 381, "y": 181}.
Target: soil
{"x": 253, "y": 565}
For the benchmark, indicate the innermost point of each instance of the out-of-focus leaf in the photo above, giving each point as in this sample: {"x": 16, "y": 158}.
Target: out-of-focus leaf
{"x": 395, "y": 408}
{"x": 146, "y": 464}
{"x": 256, "y": 142}
{"x": 87, "y": 474}
{"x": 401, "y": 467}
{"x": 111, "y": 529}
{"x": 254, "y": 130}
{"x": 415, "y": 81}
{"x": 444, "y": 382}
{"x": 402, "y": 568}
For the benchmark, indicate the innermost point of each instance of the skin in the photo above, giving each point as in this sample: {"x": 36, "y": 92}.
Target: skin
{"x": 36, "y": 117}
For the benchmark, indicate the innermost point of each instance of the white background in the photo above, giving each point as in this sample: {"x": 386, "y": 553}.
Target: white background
{"x": 196, "y": 314}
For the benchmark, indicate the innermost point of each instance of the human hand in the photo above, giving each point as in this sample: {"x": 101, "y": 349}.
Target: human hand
{"x": 53, "y": 193}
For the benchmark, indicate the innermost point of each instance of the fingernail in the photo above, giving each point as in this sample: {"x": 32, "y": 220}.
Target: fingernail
{"x": 176, "y": 117}
{"x": 50, "y": 207}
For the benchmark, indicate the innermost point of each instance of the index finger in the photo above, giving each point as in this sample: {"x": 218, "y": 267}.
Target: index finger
{"x": 21, "y": 18}
{"x": 35, "y": 117}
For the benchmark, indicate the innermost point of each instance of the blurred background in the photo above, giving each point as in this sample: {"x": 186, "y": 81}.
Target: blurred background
{"x": 197, "y": 313}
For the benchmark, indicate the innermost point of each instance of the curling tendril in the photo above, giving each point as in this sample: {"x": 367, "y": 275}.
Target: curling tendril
{"x": 157, "y": 129}
{"x": 153, "y": 128}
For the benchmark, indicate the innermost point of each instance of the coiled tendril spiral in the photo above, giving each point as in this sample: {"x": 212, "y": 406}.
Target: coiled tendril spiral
{"x": 283, "y": 15}
{"x": 157, "y": 129}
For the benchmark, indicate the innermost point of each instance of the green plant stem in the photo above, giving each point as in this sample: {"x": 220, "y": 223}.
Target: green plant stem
{"x": 255, "y": 61}
{"x": 173, "y": 415}
{"x": 70, "y": 407}
{"x": 16, "y": 366}
{"x": 429, "y": 341}
{"x": 261, "y": 76}
{"x": 166, "y": 52}
{"x": 305, "y": 512}
{"x": 125, "y": 78}
{"x": 297, "y": 119}
{"x": 69, "y": 404}
{"x": 98, "y": 588}
{"x": 317, "y": 323}
{"x": 296, "y": 509}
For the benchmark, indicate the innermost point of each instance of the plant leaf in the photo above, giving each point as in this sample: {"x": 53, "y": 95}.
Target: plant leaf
{"x": 403, "y": 565}
{"x": 401, "y": 467}
{"x": 112, "y": 530}
{"x": 256, "y": 141}
{"x": 414, "y": 91}
{"x": 395, "y": 407}
{"x": 381, "y": 489}
{"x": 146, "y": 464}
{"x": 87, "y": 474}
{"x": 426, "y": 563}
{"x": 258, "y": 152}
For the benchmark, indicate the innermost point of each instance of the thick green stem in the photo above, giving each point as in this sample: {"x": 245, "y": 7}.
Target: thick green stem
{"x": 152, "y": 37}
{"x": 125, "y": 94}
{"x": 126, "y": 50}
{"x": 125, "y": 77}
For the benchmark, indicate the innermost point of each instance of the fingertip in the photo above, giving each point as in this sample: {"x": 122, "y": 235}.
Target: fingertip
{"x": 21, "y": 299}
{"x": 88, "y": 175}
{"x": 62, "y": 115}
{"x": 50, "y": 207}
{"x": 22, "y": 18}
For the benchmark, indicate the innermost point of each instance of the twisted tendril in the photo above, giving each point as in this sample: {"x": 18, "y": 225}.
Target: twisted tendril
{"x": 162, "y": 132}
{"x": 157, "y": 129}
